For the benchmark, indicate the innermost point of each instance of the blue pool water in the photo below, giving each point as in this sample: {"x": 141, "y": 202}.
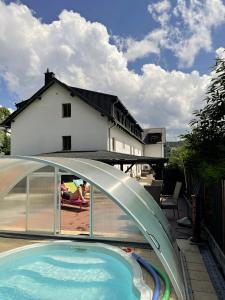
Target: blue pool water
{"x": 64, "y": 273}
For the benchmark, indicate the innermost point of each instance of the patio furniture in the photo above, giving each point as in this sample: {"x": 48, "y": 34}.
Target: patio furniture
{"x": 79, "y": 202}
{"x": 171, "y": 202}
{"x": 154, "y": 191}
{"x": 157, "y": 183}
{"x": 72, "y": 187}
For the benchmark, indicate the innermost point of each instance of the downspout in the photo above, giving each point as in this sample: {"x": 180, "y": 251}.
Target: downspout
{"x": 114, "y": 125}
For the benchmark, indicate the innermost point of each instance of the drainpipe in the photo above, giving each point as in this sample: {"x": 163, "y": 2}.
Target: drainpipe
{"x": 114, "y": 125}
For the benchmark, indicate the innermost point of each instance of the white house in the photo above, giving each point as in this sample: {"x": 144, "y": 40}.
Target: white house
{"x": 59, "y": 117}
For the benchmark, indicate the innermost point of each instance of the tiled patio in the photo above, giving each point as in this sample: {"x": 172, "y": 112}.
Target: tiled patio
{"x": 197, "y": 277}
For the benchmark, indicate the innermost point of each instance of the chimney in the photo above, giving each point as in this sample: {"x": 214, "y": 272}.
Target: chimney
{"x": 49, "y": 76}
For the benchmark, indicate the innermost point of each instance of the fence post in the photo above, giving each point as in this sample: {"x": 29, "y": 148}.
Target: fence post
{"x": 196, "y": 220}
{"x": 223, "y": 215}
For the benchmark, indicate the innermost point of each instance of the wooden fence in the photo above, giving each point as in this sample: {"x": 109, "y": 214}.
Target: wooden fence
{"x": 213, "y": 210}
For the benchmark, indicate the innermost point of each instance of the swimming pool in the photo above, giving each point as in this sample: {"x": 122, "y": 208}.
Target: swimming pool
{"x": 70, "y": 270}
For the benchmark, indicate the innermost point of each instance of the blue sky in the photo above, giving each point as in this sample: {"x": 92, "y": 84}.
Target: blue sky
{"x": 145, "y": 50}
{"x": 126, "y": 18}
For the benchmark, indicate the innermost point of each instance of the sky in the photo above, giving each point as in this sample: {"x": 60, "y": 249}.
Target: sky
{"x": 156, "y": 56}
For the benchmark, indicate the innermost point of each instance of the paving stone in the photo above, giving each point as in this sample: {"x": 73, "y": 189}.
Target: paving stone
{"x": 185, "y": 246}
{"x": 204, "y": 296}
{"x": 143, "y": 252}
{"x": 199, "y": 275}
{"x": 196, "y": 267}
{"x": 194, "y": 257}
{"x": 202, "y": 286}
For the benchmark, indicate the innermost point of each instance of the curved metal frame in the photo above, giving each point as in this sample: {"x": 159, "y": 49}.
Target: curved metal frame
{"x": 130, "y": 196}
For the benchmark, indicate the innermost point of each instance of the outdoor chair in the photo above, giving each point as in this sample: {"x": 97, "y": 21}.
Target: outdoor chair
{"x": 154, "y": 191}
{"x": 171, "y": 202}
{"x": 157, "y": 183}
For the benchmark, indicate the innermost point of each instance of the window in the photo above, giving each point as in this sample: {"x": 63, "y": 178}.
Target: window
{"x": 66, "y": 110}
{"x": 153, "y": 138}
{"x": 118, "y": 115}
{"x": 113, "y": 144}
{"x": 131, "y": 149}
{"x": 66, "y": 142}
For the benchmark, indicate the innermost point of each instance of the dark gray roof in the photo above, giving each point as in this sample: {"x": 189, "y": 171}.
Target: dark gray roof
{"x": 108, "y": 157}
{"x": 106, "y": 104}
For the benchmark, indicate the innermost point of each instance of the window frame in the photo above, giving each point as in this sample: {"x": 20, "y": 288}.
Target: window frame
{"x": 66, "y": 142}
{"x": 113, "y": 144}
{"x": 66, "y": 110}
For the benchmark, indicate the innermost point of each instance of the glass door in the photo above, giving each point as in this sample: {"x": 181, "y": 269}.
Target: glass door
{"x": 74, "y": 206}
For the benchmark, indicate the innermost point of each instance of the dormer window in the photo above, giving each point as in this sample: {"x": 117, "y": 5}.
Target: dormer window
{"x": 66, "y": 110}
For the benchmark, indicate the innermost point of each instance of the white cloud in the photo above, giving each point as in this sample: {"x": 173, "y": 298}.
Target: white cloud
{"x": 160, "y": 11}
{"x": 160, "y": 7}
{"x": 220, "y": 52}
{"x": 185, "y": 29}
{"x": 80, "y": 54}
{"x": 200, "y": 17}
{"x": 150, "y": 44}
{"x": 169, "y": 98}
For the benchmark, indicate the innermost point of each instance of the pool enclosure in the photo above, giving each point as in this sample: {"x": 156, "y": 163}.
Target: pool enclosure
{"x": 119, "y": 207}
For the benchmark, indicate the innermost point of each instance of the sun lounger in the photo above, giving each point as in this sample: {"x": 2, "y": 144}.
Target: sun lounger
{"x": 78, "y": 202}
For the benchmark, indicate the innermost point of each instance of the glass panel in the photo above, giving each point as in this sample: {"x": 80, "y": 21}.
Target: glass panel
{"x": 136, "y": 201}
{"x": 14, "y": 170}
{"x": 75, "y": 206}
{"x": 41, "y": 204}
{"x": 13, "y": 208}
{"x": 46, "y": 169}
{"x": 110, "y": 221}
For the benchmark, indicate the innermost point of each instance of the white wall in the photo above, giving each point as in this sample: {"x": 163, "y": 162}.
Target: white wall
{"x": 40, "y": 127}
{"x": 154, "y": 150}
{"x": 125, "y": 143}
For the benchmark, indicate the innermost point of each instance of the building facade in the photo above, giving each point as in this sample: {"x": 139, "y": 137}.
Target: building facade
{"x": 63, "y": 118}
{"x": 154, "y": 142}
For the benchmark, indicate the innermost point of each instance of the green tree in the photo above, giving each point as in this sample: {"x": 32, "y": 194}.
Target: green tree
{"x": 4, "y": 113}
{"x": 179, "y": 155}
{"x": 206, "y": 140}
{"x": 4, "y": 135}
